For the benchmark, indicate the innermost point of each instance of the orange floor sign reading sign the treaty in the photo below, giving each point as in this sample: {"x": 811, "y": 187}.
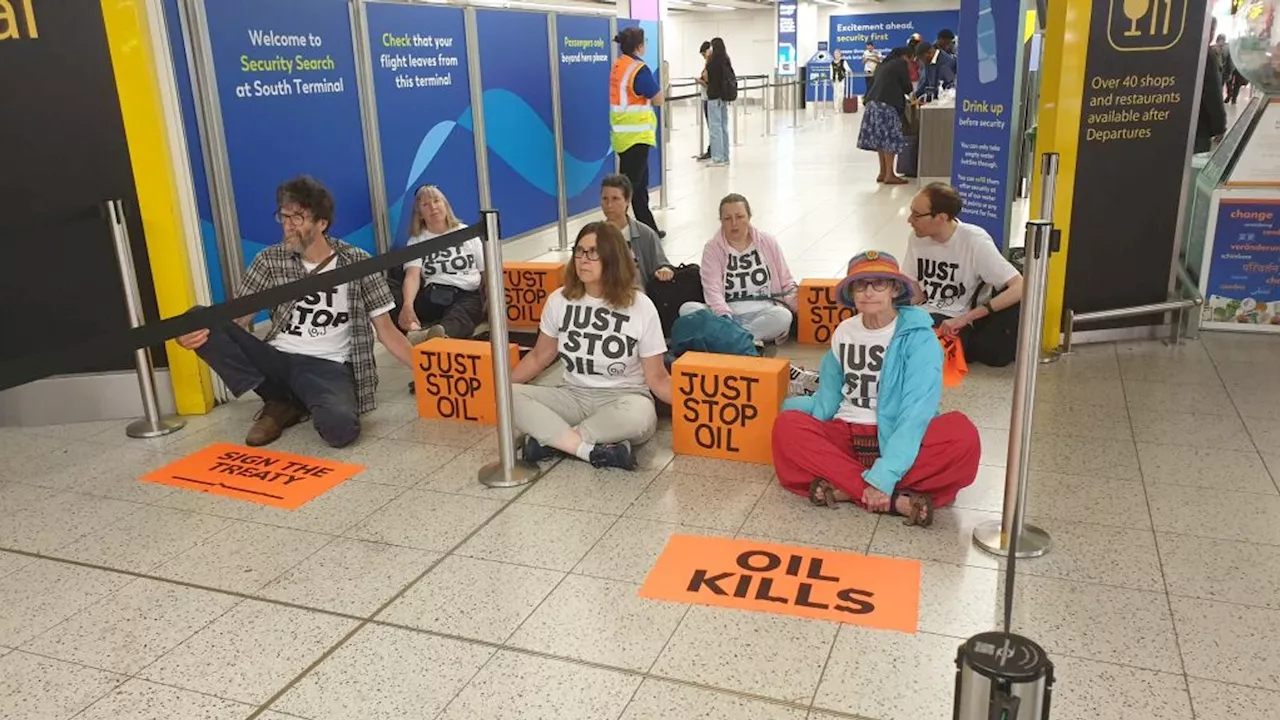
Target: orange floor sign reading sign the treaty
{"x": 875, "y": 592}
{"x": 266, "y": 477}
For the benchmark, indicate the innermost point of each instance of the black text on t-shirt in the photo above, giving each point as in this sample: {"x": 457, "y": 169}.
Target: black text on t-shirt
{"x": 744, "y": 274}
{"x": 592, "y": 341}
{"x": 450, "y": 261}
{"x": 313, "y": 315}
{"x": 861, "y": 365}
{"x": 939, "y": 282}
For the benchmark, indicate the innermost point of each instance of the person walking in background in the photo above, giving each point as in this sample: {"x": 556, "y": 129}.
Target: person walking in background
{"x": 1211, "y": 122}
{"x": 881, "y": 130}
{"x": 633, "y": 93}
{"x": 722, "y": 89}
{"x": 870, "y": 61}
{"x": 705, "y": 52}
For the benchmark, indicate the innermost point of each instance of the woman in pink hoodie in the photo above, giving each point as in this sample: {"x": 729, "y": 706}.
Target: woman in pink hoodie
{"x": 745, "y": 276}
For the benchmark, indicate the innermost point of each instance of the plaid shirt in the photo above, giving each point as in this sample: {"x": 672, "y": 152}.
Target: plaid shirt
{"x": 276, "y": 265}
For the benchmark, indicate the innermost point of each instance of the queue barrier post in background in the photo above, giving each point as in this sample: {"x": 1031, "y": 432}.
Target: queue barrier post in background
{"x": 1011, "y": 534}
{"x": 506, "y": 472}
{"x": 151, "y": 424}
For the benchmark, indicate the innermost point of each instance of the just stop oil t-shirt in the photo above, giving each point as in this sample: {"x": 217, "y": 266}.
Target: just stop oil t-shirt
{"x": 950, "y": 273}
{"x": 602, "y": 346}
{"x": 861, "y": 355}
{"x": 320, "y": 324}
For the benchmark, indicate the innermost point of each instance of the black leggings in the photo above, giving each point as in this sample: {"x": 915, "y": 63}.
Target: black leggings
{"x": 634, "y": 163}
{"x": 458, "y": 318}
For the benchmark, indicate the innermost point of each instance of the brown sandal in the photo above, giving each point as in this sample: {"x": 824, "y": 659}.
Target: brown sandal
{"x": 821, "y": 493}
{"x": 921, "y": 513}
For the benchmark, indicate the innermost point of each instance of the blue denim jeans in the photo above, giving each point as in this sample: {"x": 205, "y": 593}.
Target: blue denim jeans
{"x": 718, "y": 125}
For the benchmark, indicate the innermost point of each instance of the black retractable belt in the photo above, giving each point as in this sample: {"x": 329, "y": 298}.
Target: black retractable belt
{"x": 46, "y": 362}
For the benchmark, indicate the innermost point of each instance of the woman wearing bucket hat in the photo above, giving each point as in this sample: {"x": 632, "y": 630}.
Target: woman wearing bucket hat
{"x": 872, "y": 434}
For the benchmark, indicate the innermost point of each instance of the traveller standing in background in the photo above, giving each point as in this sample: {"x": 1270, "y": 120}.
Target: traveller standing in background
{"x": 722, "y": 89}
{"x": 839, "y": 71}
{"x": 881, "y": 130}
{"x": 633, "y": 93}
{"x": 1211, "y": 122}
{"x": 937, "y": 72}
{"x": 870, "y": 61}
{"x": 705, "y": 52}
{"x": 946, "y": 42}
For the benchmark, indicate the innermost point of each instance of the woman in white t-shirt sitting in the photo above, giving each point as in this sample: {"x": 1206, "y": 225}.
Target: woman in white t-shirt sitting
{"x": 443, "y": 292}
{"x": 872, "y": 435}
{"x": 609, "y": 337}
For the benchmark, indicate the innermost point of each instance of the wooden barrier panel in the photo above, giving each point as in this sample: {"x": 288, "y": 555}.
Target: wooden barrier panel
{"x": 527, "y": 286}
{"x": 453, "y": 380}
{"x": 725, "y": 405}
{"x": 819, "y": 313}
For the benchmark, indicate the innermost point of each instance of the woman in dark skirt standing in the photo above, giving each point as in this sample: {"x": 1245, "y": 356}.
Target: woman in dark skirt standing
{"x": 881, "y": 130}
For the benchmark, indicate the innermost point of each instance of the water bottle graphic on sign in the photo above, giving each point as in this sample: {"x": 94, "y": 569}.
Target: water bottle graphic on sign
{"x": 988, "y": 70}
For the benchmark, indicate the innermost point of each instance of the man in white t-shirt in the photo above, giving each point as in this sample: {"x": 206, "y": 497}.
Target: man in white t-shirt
{"x": 870, "y": 61}
{"x": 951, "y": 261}
{"x": 317, "y": 359}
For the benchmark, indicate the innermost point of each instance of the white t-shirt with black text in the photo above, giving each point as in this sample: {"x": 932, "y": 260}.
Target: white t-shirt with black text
{"x": 320, "y": 324}
{"x": 949, "y": 273}
{"x": 861, "y": 355}
{"x": 459, "y": 266}
{"x": 602, "y": 346}
{"x": 746, "y": 276}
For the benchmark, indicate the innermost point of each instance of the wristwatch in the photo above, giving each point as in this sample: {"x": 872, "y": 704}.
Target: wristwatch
{"x": 990, "y": 310}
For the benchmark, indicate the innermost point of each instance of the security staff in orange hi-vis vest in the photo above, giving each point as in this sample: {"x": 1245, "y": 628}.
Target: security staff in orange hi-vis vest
{"x": 633, "y": 93}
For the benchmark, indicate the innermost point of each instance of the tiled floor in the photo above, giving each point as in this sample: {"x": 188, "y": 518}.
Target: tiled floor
{"x": 413, "y": 592}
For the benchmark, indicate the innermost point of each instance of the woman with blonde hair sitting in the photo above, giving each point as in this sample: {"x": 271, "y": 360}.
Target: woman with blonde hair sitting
{"x": 444, "y": 290}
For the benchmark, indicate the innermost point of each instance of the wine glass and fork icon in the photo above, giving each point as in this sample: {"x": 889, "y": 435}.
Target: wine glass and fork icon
{"x": 1136, "y": 10}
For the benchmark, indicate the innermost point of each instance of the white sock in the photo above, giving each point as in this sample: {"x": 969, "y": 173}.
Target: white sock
{"x": 584, "y": 451}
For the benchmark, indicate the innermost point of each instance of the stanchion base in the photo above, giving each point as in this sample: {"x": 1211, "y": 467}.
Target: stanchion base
{"x": 491, "y": 475}
{"x": 989, "y": 536}
{"x": 1052, "y": 356}
{"x": 141, "y": 429}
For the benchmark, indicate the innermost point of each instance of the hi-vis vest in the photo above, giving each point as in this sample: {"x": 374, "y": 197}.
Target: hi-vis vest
{"x": 631, "y": 117}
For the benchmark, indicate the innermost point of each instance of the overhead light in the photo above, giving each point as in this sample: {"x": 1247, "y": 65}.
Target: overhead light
{"x": 720, "y": 7}
{"x": 832, "y": 3}
{"x": 679, "y": 3}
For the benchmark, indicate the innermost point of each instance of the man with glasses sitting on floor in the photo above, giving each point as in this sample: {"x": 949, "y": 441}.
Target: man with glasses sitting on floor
{"x": 317, "y": 359}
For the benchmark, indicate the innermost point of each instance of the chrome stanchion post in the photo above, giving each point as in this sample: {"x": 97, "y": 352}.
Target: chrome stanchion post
{"x": 151, "y": 424}
{"x": 797, "y": 89}
{"x": 702, "y": 124}
{"x": 768, "y": 107}
{"x": 1026, "y": 541}
{"x": 562, "y": 195}
{"x": 1048, "y": 184}
{"x": 737, "y": 110}
{"x": 506, "y": 472}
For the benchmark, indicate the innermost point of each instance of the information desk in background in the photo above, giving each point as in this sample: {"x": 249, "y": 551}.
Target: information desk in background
{"x": 937, "y": 130}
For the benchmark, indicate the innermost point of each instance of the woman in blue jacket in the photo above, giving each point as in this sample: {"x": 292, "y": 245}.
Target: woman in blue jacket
{"x": 872, "y": 435}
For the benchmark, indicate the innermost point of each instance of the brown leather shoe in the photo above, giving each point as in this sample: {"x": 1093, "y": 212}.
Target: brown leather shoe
{"x": 272, "y": 421}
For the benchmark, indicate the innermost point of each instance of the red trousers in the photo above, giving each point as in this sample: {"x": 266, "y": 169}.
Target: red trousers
{"x": 805, "y": 448}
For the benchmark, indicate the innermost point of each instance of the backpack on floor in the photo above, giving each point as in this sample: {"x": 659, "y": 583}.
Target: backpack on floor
{"x": 685, "y": 286}
{"x": 705, "y": 331}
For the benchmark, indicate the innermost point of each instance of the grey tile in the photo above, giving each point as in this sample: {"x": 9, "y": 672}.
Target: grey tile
{"x": 243, "y": 557}
{"x": 889, "y": 675}
{"x": 146, "y": 539}
{"x": 1177, "y": 398}
{"x": 55, "y": 522}
{"x": 724, "y": 469}
{"x": 400, "y": 462}
{"x": 950, "y": 540}
{"x": 787, "y": 516}
{"x": 13, "y": 562}
{"x": 426, "y": 520}
{"x": 350, "y": 576}
{"x": 700, "y": 500}
{"x": 460, "y": 476}
{"x": 1224, "y": 432}
{"x": 1255, "y": 402}
{"x": 1229, "y": 643}
{"x": 578, "y": 486}
{"x": 1246, "y": 373}
{"x": 72, "y": 432}
{"x": 1096, "y": 622}
{"x": 1187, "y": 350}
{"x": 132, "y": 628}
{"x": 662, "y": 700}
{"x": 1079, "y": 420}
{"x": 536, "y": 688}
{"x": 600, "y": 621}
{"x": 987, "y": 491}
{"x": 1076, "y": 498}
{"x": 1205, "y": 468}
{"x": 1108, "y": 392}
{"x": 36, "y": 688}
{"x": 1084, "y": 365}
{"x": 995, "y": 446}
{"x": 477, "y": 599}
{"x": 985, "y": 409}
{"x": 1090, "y": 457}
{"x": 41, "y": 461}
{"x": 538, "y": 537}
{"x": 45, "y": 593}
{"x": 631, "y": 547}
{"x": 142, "y": 700}
{"x": 1174, "y": 370}
{"x": 1087, "y": 690}
{"x": 387, "y": 419}
{"x": 1240, "y": 347}
{"x": 1236, "y": 572}
{"x": 117, "y": 472}
{"x": 16, "y": 497}
{"x": 250, "y": 652}
{"x": 759, "y": 653}
{"x": 1265, "y": 436}
{"x": 385, "y": 673}
{"x": 1219, "y": 701}
{"x": 1091, "y": 553}
{"x": 1222, "y": 515}
{"x": 442, "y": 432}
{"x": 333, "y": 513}
{"x": 959, "y": 601}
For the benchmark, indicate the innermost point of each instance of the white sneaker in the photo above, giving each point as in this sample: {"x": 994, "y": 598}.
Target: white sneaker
{"x": 803, "y": 382}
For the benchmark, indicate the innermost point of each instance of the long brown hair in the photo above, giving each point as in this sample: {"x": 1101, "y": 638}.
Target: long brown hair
{"x": 617, "y": 270}
{"x": 419, "y": 223}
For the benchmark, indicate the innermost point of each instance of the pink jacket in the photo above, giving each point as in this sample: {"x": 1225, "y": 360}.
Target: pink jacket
{"x": 715, "y": 258}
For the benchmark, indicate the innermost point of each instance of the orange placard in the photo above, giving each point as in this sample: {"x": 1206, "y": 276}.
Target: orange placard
{"x": 875, "y": 592}
{"x": 724, "y": 405}
{"x": 453, "y": 380}
{"x": 527, "y": 285}
{"x": 954, "y": 365}
{"x": 818, "y": 313}
{"x": 265, "y": 477}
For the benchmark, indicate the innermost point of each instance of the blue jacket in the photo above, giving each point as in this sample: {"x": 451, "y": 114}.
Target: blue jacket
{"x": 907, "y": 401}
{"x": 937, "y": 75}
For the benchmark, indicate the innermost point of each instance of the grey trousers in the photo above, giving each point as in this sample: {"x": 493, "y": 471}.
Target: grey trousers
{"x": 600, "y": 415}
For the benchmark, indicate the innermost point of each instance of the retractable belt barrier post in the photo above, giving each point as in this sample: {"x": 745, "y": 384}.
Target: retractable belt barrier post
{"x": 151, "y": 424}
{"x": 505, "y": 472}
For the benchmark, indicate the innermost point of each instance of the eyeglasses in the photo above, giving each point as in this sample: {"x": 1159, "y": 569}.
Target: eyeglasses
{"x": 921, "y": 216}
{"x": 877, "y": 284}
{"x": 587, "y": 253}
{"x": 285, "y": 218}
